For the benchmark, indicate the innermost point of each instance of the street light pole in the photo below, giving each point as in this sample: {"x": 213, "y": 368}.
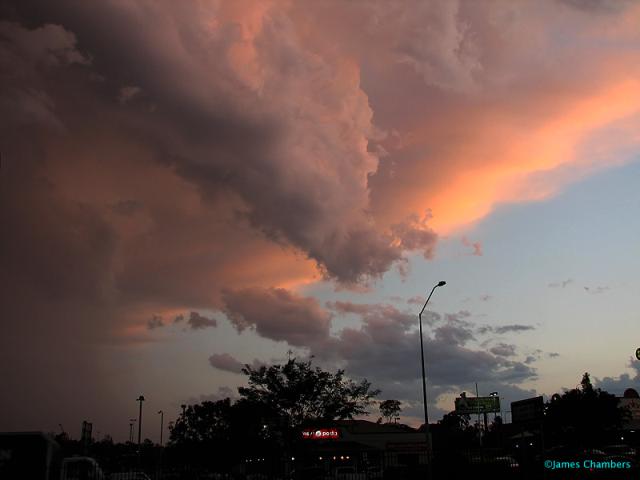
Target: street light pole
{"x": 161, "y": 424}
{"x": 140, "y": 399}
{"x": 424, "y": 387}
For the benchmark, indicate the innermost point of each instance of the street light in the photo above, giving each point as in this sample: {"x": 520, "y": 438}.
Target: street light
{"x": 424, "y": 385}
{"x": 140, "y": 399}
{"x": 161, "y": 424}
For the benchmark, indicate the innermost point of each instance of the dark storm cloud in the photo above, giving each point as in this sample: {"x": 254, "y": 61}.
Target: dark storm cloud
{"x": 63, "y": 256}
{"x": 278, "y": 314}
{"x": 195, "y": 112}
{"x": 54, "y": 256}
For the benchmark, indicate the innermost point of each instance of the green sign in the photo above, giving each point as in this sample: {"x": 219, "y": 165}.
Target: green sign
{"x": 638, "y": 353}
{"x": 468, "y": 406}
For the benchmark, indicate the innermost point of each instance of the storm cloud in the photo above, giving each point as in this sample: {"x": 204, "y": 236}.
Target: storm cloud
{"x": 218, "y": 156}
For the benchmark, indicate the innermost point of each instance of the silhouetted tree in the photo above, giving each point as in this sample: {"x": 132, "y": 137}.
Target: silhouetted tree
{"x": 296, "y": 393}
{"x": 582, "y": 415}
{"x": 390, "y": 409}
{"x": 452, "y": 433}
{"x": 454, "y": 421}
{"x": 277, "y": 401}
{"x": 204, "y": 422}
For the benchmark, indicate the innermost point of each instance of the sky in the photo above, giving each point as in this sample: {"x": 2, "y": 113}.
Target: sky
{"x": 188, "y": 187}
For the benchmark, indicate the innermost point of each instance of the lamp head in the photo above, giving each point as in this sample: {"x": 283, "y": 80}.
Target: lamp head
{"x": 441, "y": 283}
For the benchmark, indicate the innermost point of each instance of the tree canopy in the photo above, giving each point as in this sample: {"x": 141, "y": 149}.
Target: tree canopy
{"x": 204, "y": 422}
{"x": 278, "y": 400}
{"x": 297, "y": 393}
{"x": 390, "y": 409}
{"x": 582, "y": 415}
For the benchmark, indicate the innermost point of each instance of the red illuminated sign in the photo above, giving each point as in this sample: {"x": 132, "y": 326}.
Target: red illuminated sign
{"x": 321, "y": 433}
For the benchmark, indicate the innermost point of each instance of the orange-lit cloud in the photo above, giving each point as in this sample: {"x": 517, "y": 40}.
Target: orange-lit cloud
{"x": 501, "y": 158}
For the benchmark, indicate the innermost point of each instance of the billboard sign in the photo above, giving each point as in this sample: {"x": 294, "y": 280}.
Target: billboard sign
{"x": 321, "y": 434}
{"x": 473, "y": 405}
{"x": 528, "y": 410}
